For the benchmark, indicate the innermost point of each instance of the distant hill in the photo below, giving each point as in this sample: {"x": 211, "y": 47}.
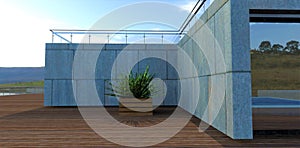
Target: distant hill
{"x": 21, "y": 74}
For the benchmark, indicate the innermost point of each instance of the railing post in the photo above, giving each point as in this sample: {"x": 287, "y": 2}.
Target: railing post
{"x": 52, "y": 37}
{"x": 107, "y": 38}
{"x": 89, "y": 38}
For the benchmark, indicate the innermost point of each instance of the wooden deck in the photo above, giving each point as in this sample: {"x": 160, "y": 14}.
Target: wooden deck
{"x": 25, "y": 122}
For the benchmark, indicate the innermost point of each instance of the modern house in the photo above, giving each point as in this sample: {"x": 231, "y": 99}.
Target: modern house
{"x": 206, "y": 71}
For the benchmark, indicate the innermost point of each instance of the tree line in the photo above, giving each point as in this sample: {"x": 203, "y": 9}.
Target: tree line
{"x": 292, "y": 47}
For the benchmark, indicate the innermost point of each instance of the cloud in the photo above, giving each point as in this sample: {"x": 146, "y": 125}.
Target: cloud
{"x": 23, "y": 37}
{"x": 188, "y": 6}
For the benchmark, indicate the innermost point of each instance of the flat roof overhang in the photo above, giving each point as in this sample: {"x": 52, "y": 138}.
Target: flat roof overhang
{"x": 274, "y": 16}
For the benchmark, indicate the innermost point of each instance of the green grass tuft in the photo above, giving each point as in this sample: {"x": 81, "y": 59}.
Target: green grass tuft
{"x": 275, "y": 72}
{"x": 24, "y": 84}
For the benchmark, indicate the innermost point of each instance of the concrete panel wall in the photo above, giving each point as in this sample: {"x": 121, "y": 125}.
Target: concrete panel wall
{"x": 64, "y": 82}
{"x": 219, "y": 46}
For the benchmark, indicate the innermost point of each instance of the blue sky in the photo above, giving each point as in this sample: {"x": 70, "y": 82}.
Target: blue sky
{"x": 80, "y": 13}
{"x": 25, "y": 25}
{"x": 276, "y": 33}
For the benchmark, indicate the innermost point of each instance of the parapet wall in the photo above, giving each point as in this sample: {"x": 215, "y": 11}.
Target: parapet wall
{"x": 219, "y": 45}
{"x": 64, "y": 79}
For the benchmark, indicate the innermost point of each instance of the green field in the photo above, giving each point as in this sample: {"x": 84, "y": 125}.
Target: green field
{"x": 24, "y": 84}
{"x": 275, "y": 72}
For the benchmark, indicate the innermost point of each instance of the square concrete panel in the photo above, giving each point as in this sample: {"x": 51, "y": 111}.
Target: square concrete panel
{"x": 57, "y": 46}
{"x": 222, "y": 18}
{"x": 226, "y": 9}
{"x": 187, "y": 96}
{"x": 160, "y": 92}
{"x": 202, "y": 106}
{"x": 242, "y": 105}
{"x": 238, "y": 105}
{"x": 209, "y": 45}
{"x": 200, "y": 60}
{"x": 156, "y": 62}
{"x": 185, "y": 60}
{"x": 126, "y": 61}
{"x": 205, "y": 39}
{"x": 115, "y": 46}
{"x": 100, "y": 86}
{"x": 88, "y": 94}
{"x": 183, "y": 101}
{"x": 170, "y": 47}
{"x": 229, "y": 104}
{"x": 105, "y": 63}
{"x": 188, "y": 48}
{"x": 220, "y": 121}
{"x": 240, "y": 35}
{"x": 200, "y": 56}
{"x": 196, "y": 94}
{"x": 94, "y": 46}
{"x": 109, "y": 100}
{"x": 135, "y": 47}
{"x": 173, "y": 92}
{"x": 84, "y": 66}
{"x": 47, "y": 92}
{"x": 217, "y": 111}
{"x": 172, "y": 65}
{"x": 62, "y": 94}
{"x": 160, "y": 46}
{"x": 185, "y": 64}
{"x": 59, "y": 64}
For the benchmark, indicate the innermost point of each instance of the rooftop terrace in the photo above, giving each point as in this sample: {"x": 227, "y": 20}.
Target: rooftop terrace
{"x": 26, "y": 122}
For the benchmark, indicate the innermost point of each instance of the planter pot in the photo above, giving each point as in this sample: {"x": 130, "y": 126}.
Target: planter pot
{"x": 135, "y": 107}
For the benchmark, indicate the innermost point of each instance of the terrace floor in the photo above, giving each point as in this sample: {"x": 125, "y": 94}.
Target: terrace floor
{"x": 24, "y": 121}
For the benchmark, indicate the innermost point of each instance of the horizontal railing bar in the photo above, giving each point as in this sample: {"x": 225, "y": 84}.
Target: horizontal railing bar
{"x": 81, "y": 30}
{"x": 116, "y": 33}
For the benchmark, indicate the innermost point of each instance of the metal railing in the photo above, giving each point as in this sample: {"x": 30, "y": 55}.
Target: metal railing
{"x": 116, "y": 36}
{"x": 131, "y": 36}
{"x": 192, "y": 15}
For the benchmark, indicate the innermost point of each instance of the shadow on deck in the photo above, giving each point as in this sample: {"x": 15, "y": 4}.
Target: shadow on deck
{"x": 25, "y": 122}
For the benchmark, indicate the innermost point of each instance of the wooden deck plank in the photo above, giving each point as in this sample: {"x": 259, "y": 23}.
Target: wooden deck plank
{"x": 276, "y": 119}
{"x": 25, "y": 122}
